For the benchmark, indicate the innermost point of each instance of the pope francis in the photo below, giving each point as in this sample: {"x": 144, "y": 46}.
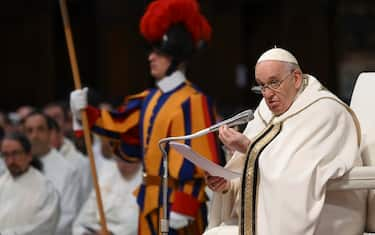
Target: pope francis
{"x": 302, "y": 136}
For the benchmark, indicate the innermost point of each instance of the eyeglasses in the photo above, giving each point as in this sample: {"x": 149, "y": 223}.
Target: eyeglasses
{"x": 13, "y": 154}
{"x": 273, "y": 84}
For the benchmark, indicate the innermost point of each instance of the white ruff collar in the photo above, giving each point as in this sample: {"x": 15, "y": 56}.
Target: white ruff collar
{"x": 171, "y": 82}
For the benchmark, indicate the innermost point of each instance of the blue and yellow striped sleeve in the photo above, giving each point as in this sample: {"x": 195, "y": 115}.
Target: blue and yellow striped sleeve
{"x": 196, "y": 113}
{"x": 121, "y": 125}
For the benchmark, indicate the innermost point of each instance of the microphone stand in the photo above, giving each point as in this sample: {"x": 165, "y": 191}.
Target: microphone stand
{"x": 241, "y": 118}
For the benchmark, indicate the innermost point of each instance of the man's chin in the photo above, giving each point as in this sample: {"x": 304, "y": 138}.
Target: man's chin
{"x": 39, "y": 151}
{"x": 275, "y": 109}
{"x": 15, "y": 173}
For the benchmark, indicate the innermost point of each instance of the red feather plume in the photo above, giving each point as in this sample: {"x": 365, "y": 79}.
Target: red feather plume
{"x": 161, "y": 14}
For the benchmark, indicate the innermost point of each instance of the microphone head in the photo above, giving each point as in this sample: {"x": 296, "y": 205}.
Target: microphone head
{"x": 250, "y": 115}
{"x": 256, "y": 90}
{"x": 242, "y": 118}
{"x": 238, "y": 119}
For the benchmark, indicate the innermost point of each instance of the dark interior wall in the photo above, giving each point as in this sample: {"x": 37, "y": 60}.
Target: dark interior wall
{"x": 213, "y": 69}
{"x": 122, "y": 51}
{"x": 26, "y": 60}
{"x": 303, "y": 27}
{"x": 83, "y": 25}
{"x": 112, "y": 56}
{"x": 311, "y": 36}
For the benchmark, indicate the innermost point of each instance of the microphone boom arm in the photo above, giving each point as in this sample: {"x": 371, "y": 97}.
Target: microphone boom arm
{"x": 241, "y": 118}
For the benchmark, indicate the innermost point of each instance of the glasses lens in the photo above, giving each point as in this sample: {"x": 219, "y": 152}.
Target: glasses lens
{"x": 15, "y": 153}
{"x": 275, "y": 84}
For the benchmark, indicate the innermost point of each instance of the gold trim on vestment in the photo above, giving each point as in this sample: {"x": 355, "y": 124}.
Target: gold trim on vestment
{"x": 250, "y": 179}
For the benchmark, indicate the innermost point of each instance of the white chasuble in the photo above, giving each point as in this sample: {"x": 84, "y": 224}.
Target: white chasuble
{"x": 283, "y": 188}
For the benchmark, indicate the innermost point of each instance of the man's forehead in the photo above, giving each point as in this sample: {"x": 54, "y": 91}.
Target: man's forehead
{"x": 36, "y": 120}
{"x": 53, "y": 109}
{"x": 11, "y": 144}
{"x": 269, "y": 69}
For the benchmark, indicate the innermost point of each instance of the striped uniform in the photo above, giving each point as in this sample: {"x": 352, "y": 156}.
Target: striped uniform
{"x": 138, "y": 125}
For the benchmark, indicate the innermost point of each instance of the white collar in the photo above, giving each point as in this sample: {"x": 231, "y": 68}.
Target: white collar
{"x": 172, "y": 81}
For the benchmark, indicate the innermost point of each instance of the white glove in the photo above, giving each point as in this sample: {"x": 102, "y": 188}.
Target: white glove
{"x": 77, "y": 126}
{"x": 177, "y": 220}
{"x": 78, "y": 101}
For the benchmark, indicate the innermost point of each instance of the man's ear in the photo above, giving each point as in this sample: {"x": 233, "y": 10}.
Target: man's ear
{"x": 298, "y": 78}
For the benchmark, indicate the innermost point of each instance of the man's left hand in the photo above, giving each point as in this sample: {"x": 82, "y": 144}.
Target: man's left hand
{"x": 217, "y": 183}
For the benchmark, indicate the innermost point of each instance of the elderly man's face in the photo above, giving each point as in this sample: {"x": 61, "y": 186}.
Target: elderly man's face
{"x": 15, "y": 157}
{"x": 279, "y": 85}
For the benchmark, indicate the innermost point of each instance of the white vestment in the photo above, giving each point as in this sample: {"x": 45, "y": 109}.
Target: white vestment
{"x": 29, "y": 204}
{"x": 120, "y": 206}
{"x": 100, "y": 160}
{"x": 66, "y": 180}
{"x": 2, "y": 167}
{"x": 315, "y": 140}
{"x": 76, "y": 158}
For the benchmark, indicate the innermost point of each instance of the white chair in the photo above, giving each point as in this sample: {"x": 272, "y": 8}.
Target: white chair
{"x": 363, "y": 104}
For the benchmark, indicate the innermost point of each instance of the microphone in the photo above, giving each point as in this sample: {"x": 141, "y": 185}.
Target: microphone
{"x": 238, "y": 119}
{"x": 256, "y": 90}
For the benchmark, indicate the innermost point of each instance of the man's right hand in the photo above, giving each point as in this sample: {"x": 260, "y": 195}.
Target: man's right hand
{"x": 78, "y": 101}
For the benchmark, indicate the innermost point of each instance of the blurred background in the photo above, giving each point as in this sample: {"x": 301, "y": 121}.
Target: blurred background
{"x": 333, "y": 40}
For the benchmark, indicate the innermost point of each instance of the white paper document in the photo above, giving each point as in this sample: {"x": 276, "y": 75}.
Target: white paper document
{"x": 201, "y": 162}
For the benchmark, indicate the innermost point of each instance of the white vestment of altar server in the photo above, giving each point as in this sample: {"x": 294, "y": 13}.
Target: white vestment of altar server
{"x": 2, "y": 167}
{"x": 120, "y": 206}
{"x": 76, "y": 158}
{"x": 29, "y": 204}
{"x": 315, "y": 140}
{"x": 66, "y": 180}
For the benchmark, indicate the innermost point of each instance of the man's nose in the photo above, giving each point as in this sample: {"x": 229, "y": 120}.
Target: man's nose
{"x": 9, "y": 160}
{"x": 151, "y": 56}
{"x": 267, "y": 92}
{"x": 32, "y": 134}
